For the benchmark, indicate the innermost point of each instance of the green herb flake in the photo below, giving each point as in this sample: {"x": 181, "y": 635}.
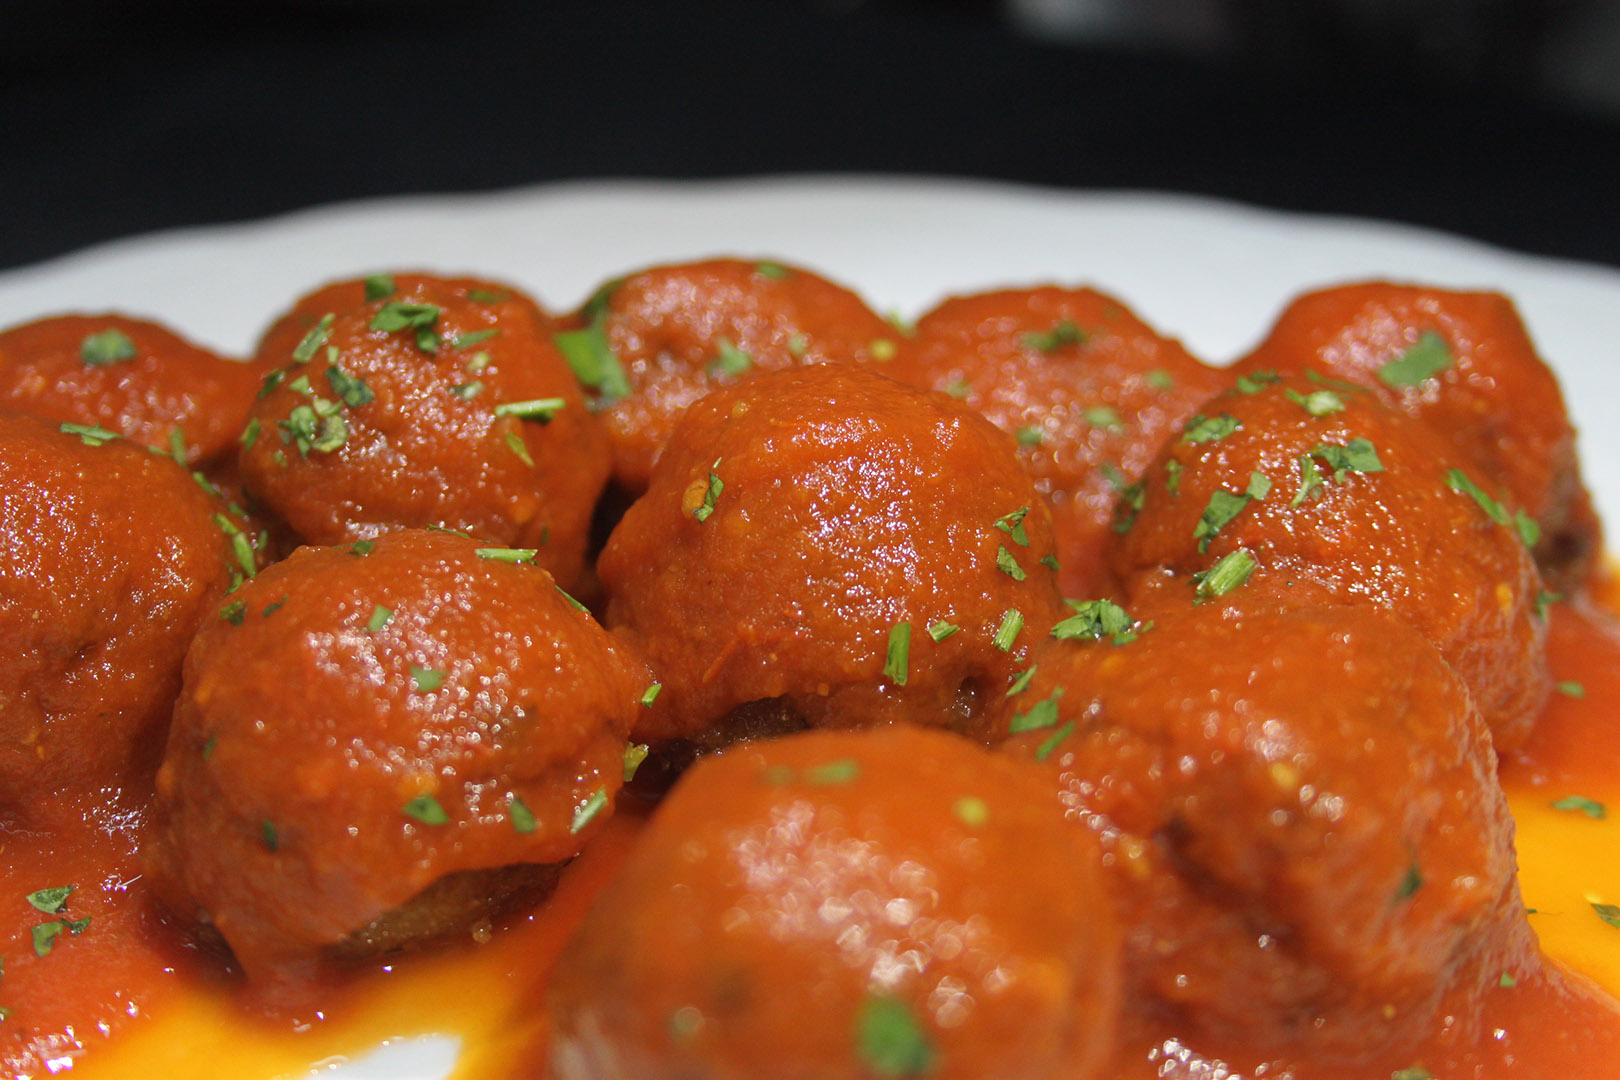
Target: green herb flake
{"x": 1318, "y": 403}
{"x": 573, "y": 603}
{"x": 541, "y": 409}
{"x": 1528, "y": 528}
{"x": 773, "y": 270}
{"x": 1256, "y": 381}
{"x": 1411, "y": 882}
{"x": 1129, "y": 505}
{"x": 476, "y": 337}
{"x": 50, "y": 901}
{"x": 711, "y": 494}
{"x": 313, "y": 340}
{"x": 1064, "y": 333}
{"x": 971, "y": 811}
{"x": 1092, "y": 620}
{"x": 1029, "y": 435}
{"x": 1570, "y": 688}
{"x": 889, "y": 1041}
{"x": 1007, "y": 564}
{"x": 1412, "y": 1072}
{"x": 380, "y": 287}
{"x": 1310, "y": 480}
{"x": 1050, "y": 562}
{"x": 1356, "y": 456}
{"x": 798, "y": 345}
{"x": 1115, "y": 478}
{"x": 250, "y": 434}
{"x": 836, "y": 773}
{"x": 514, "y": 442}
{"x": 1172, "y": 477}
{"x": 489, "y": 296}
{"x": 1259, "y": 486}
{"x": 1021, "y": 683}
{"x": 897, "y": 657}
{"x": 271, "y": 381}
{"x": 396, "y": 315}
{"x": 1012, "y": 621}
{"x": 1609, "y": 913}
{"x": 362, "y": 547}
{"x": 350, "y": 389}
{"x": 426, "y": 679}
{"x": 380, "y": 617}
{"x": 466, "y": 391}
{"x": 426, "y": 809}
{"x": 586, "y": 812}
{"x": 45, "y": 935}
{"x": 1463, "y": 484}
{"x": 507, "y": 555}
{"x": 1050, "y": 744}
{"x": 1223, "y": 506}
{"x": 234, "y": 612}
{"x": 268, "y": 834}
{"x": 1159, "y": 379}
{"x": 1544, "y": 602}
{"x": 729, "y": 360}
{"x": 1042, "y": 714}
{"x": 942, "y": 630}
{"x": 314, "y": 427}
{"x": 519, "y": 814}
{"x": 961, "y": 388}
{"x": 1103, "y": 417}
{"x": 650, "y": 695}
{"x": 1203, "y": 429}
{"x": 89, "y": 434}
{"x": 1507, "y": 981}
{"x": 593, "y": 361}
{"x": 1580, "y": 804}
{"x": 1230, "y": 573}
{"x": 634, "y": 755}
{"x": 110, "y": 346}
{"x": 1423, "y": 360}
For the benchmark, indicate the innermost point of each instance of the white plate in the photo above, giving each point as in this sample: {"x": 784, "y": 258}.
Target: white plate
{"x": 1214, "y": 274}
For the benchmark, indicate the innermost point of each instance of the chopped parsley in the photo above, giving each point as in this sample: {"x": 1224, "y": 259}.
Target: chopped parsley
{"x": 634, "y": 755}
{"x": 1411, "y": 882}
{"x": 514, "y": 442}
{"x": 316, "y": 426}
{"x": 1012, "y": 621}
{"x": 50, "y": 901}
{"x": 890, "y": 1042}
{"x": 110, "y": 346}
{"x": 1230, "y": 573}
{"x": 1310, "y": 480}
{"x": 1318, "y": 403}
{"x": 1050, "y": 744}
{"x": 1007, "y": 564}
{"x": 541, "y": 409}
{"x": 312, "y": 341}
{"x": 519, "y": 814}
{"x": 573, "y": 603}
{"x": 1172, "y": 477}
{"x": 1159, "y": 379}
{"x": 1223, "y": 506}
{"x": 426, "y": 679}
{"x": 490, "y": 296}
{"x": 1064, "y": 333}
{"x": 510, "y": 555}
{"x": 1029, "y": 435}
{"x": 380, "y": 287}
{"x": 711, "y": 494}
{"x": 1608, "y": 913}
{"x": 729, "y": 360}
{"x": 942, "y": 630}
{"x": 1424, "y": 359}
{"x": 650, "y": 695}
{"x": 380, "y": 617}
{"x": 1356, "y": 456}
{"x": 1202, "y": 429}
{"x": 476, "y": 337}
{"x": 268, "y": 834}
{"x": 468, "y": 390}
{"x": 1104, "y": 417}
{"x": 1021, "y": 683}
{"x": 1013, "y": 525}
{"x": 396, "y": 315}
{"x": 1042, "y": 714}
{"x": 898, "y": 656}
{"x": 773, "y": 270}
{"x": 593, "y": 361}
{"x": 1092, "y": 620}
{"x": 350, "y": 389}
{"x": 1570, "y": 688}
{"x": 1580, "y": 804}
{"x": 961, "y": 388}
{"x": 1256, "y": 381}
{"x": 586, "y": 812}
{"x": 234, "y": 612}
{"x": 426, "y": 809}
{"x": 89, "y": 434}
{"x": 835, "y": 773}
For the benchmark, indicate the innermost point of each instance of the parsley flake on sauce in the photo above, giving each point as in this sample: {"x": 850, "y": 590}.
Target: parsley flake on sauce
{"x": 89, "y": 434}
{"x": 1012, "y": 621}
{"x": 634, "y": 755}
{"x": 1103, "y": 417}
{"x": 519, "y": 814}
{"x": 312, "y": 341}
{"x": 1318, "y": 403}
{"x": 476, "y": 337}
{"x": 594, "y": 363}
{"x": 426, "y": 679}
{"x": 1159, "y": 379}
{"x": 1093, "y": 620}
{"x": 573, "y": 603}
{"x": 1007, "y": 564}
{"x": 587, "y": 810}
{"x": 1223, "y": 506}
{"x": 942, "y": 630}
{"x": 1609, "y": 913}
{"x": 1050, "y": 744}
{"x": 380, "y": 617}
{"x": 711, "y": 494}
{"x": 380, "y": 287}
{"x": 1411, "y": 882}
{"x": 1013, "y": 525}
{"x": 1202, "y": 429}
{"x": 350, "y": 389}
{"x": 396, "y": 315}
{"x": 507, "y": 555}
{"x": 50, "y": 901}
{"x": 1427, "y": 357}
{"x": 1021, "y": 683}
{"x": 773, "y": 270}
{"x": 1463, "y": 484}
{"x": 110, "y": 346}
{"x": 426, "y": 809}
{"x": 1064, "y": 333}
{"x": 889, "y": 1041}
{"x": 1580, "y": 804}
{"x": 541, "y": 409}
{"x": 514, "y": 442}
{"x": 1230, "y": 573}
{"x": 729, "y": 360}
{"x": 835, "y": 773}
{"x": 650, "y": 695}
{"x": 897, "y": 658}
{"x": 1042, "y": 714}
{"x": 1570, "y": 688}
{"x": 1256, "y": 381}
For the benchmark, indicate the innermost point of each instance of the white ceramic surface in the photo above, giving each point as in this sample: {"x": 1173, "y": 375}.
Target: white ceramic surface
{"x": 1215, "y": 274}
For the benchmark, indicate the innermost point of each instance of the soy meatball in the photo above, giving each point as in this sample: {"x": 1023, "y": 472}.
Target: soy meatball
{"x": 1088, "y": 390}
{"x": 649, "y": 344}
{"x": 1298, "y": 483}
{"x": 112, "y": 556}
{"x": 837, "y": 904}
{"x": 1464, "y": 364}
{"x": 421, "y": 401}
{"x": 854, "y": 549}
{"x": 129, "y": 376}
{"x": 1300, "y": 817}
{"x": 366, "y": 725}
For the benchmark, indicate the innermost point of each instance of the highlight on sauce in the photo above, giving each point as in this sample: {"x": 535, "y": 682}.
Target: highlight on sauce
{"x": 722, "y": 680}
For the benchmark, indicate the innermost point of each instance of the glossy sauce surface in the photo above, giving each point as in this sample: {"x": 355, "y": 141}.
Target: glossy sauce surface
{"x": 137, "y": 1005}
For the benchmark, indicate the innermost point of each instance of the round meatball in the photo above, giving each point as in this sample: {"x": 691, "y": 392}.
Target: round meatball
{"x": 110, "y": 557}
{"x": 649, "y": 344}
{"x": 366, "y": 722}
{"x": 128, "y": 376}
{"x": 1463, "y": 363}
{"x": 421, "y": 401}
{"x": 1301, "y": 819}
{"x": 862, "y": 550}
{"x": 838, "y": 904}
{"x": 1089, "y": 391}
{"x": 1297, "y": 483}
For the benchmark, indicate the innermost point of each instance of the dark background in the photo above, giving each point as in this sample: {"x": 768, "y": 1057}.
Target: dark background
{"x": 1495, "y": 118}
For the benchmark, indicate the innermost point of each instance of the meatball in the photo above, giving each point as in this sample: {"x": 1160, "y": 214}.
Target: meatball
{"x": 1301, "y": 819}
{"x": 839, "y": 904}
{"x": 649, "y": 344}
{"x": 364, "y": 723}
{"x": 421, "y": 401}
{"x": 112, "y": 556}
{"x": 1089, "y": 391}
{"x": 128, "y": 376}
{"x": 1463, "y": 363}
{"x": 862, "y": 550}
{"x": 1303, "y": 484}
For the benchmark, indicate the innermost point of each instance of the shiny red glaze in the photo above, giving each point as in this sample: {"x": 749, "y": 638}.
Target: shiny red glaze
{"x": 785, "y": 889}
{"x": 1089, "y": 414}
{"x": 421, "y": 452}
{"x": 167, "y": 385}
{"x": 842, "y": 514}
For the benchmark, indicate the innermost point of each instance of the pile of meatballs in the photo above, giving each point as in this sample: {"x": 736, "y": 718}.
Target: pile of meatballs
{"x": 994, "y": 687}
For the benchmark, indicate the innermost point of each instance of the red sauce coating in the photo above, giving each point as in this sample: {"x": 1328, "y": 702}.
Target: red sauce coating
{"x": 794, "y": 521}
{"x": 1381, "y": 522}
{"x": 1306, "y": 869}
{"x": 833, "y": 905}
{"x": 1089, "y": 391}
{"x": 1490, "y": 395}
{"x": 470, "y": 420}
{"x": 371, "y": 719}
{"x": 110, "y": 556}
{"x": 680, "y": 331}
{"x": 128, "y": 376}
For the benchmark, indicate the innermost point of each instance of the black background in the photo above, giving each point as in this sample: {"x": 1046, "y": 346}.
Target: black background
{"x": 119, "y": 118}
